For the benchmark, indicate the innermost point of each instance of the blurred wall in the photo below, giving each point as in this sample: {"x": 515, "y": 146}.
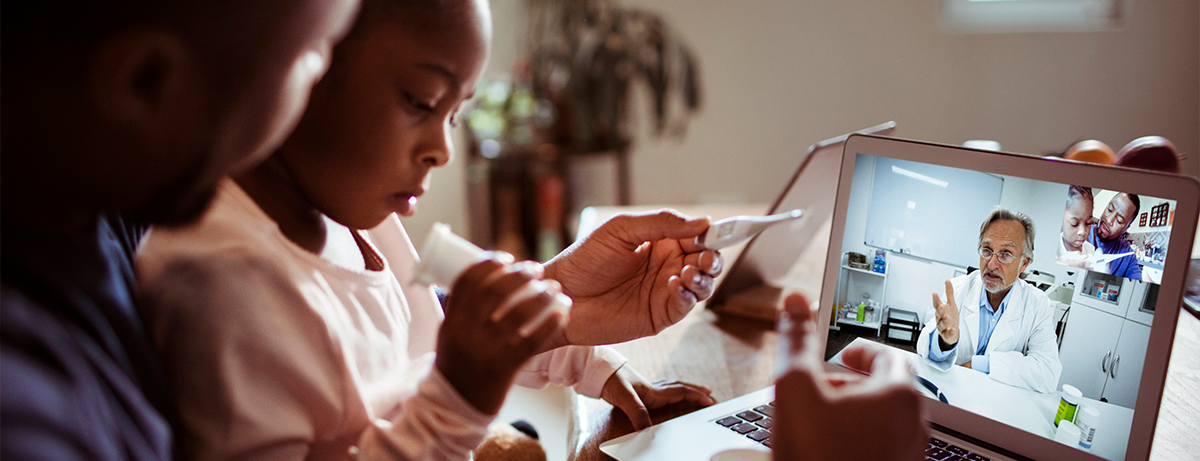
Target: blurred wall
{"x": 780, "y": 75}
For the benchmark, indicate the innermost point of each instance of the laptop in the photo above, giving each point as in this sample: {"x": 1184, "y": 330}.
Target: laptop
{"x": 775, "y": 262}
{"x": 889, "y": 191}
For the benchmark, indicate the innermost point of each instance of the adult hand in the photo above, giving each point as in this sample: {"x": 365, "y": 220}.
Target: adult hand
{"x": 947, "y": 316}
{"x": 628, "y": 390}
{"x": 634, "y": 276}
{"x": 813, "y": 409}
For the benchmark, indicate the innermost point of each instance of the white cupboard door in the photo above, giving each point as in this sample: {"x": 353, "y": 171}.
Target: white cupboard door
{"x": 1122, "y": 387}
{"x": 1088, "y": 345}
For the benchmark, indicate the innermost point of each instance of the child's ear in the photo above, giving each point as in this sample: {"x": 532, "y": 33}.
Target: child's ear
{"x": 143, "y": 79}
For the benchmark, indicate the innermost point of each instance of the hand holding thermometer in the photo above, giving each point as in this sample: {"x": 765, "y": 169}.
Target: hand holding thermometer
{"x": 731, "y": 231}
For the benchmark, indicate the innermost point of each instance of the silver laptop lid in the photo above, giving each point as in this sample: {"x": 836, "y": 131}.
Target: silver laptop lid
{"x": 914, "y": 211}
{"x": 774, "y": 257}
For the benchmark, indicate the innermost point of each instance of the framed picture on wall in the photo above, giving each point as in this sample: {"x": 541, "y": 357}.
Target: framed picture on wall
{"x": 1158, "y": 215}
{"x": 1142, "y": 219}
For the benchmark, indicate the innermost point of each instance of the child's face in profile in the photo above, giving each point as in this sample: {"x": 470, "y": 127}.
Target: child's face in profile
{"x": 382, "y": 117}
{"x": 1075, "y": 227}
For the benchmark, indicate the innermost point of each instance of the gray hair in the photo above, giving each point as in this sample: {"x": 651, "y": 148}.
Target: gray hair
{"x": 1004, "y": 214}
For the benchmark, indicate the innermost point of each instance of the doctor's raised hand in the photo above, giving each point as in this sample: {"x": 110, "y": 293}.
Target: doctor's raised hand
{"x": 813, "y": 408}
{"x": 634, "y": 276}
{"x": 947, "y": 317}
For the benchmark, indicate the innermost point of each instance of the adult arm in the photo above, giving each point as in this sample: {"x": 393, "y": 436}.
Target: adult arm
{"x": 1038, "y": 366}
{"x": 64, "y": 397}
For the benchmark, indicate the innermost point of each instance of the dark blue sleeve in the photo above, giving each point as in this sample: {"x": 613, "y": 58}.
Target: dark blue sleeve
{"x": 61, "y": 398}
{"x": 128, "y": 233}
{"x": 1132, "y": 269}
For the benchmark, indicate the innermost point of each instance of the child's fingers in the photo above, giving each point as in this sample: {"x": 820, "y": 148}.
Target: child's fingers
{"x": 471, "y": 280}
{"x": 884, "y": 367}
{"x": 838, "y": 379}
{"x": 859, "y": 357}
{"x": 539, "y": 335}
{"x": 500, "y": 288}
{"x": 527, "y": 315}
{"x": 630, "y": 404}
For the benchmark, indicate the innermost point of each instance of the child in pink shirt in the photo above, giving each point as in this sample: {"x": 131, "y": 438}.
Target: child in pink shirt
{"x": 288, "y": 316}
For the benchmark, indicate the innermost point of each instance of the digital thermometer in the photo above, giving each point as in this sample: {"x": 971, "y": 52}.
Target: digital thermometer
{"x": 731, "y": 231}
{"x": 1097, "y": 262}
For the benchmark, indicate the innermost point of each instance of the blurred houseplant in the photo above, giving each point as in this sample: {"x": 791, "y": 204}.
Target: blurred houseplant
{"x": 573, "y": 91}
{"x": 570, "y": 99}
{"x": 585, "y": 57}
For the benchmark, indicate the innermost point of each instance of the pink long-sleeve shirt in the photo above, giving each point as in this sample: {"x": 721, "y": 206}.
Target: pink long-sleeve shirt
{"x": 277, "y": 353}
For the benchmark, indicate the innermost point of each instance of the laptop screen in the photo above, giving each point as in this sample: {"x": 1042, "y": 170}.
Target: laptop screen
{"x": 1047, "y": 291}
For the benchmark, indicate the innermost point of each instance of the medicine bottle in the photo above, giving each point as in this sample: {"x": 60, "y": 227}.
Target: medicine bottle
{"x": 1087, "y": 419}
{"x": 445, "y": 256}
{"x": 1068, "y": 405}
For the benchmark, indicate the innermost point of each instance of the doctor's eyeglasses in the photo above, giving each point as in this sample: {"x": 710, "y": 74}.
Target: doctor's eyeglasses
{"x": 1004, "y": 256}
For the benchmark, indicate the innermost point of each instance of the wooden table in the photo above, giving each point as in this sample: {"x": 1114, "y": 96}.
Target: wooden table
{"x": 733, "y": 356}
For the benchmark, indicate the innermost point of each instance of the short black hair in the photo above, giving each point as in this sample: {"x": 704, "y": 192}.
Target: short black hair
{"x": 1137, "y": 204}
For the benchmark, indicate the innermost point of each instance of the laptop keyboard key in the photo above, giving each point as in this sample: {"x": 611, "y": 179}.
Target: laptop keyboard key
{"x": 960, "y": 451}
{"x": 956, "y": 458}
{"x": 938, "y": 442}
{"x": 728, "y": 421}
{"x": 766, "y": 410}
{"x": 750, "y": 416}
{"x": 938, "y": 454}
{"x": 744, "y": 428}
{"x": 975, "y": 457}
{"x": 758, "y": 436}
{"x": 765, "y": 423}
{"x": 767, "y": 443}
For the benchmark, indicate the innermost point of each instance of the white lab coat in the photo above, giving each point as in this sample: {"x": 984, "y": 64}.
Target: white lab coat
{"x": 1023, "y": 349}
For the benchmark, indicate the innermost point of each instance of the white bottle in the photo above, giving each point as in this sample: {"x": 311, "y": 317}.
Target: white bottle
{"x": 1087, "y": 419}
{"x": 1067, "y": 433}
{"x": 445, "y": 256}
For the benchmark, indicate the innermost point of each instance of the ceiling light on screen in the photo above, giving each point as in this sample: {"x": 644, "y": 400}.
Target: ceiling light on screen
{"x": 919, "y": 176}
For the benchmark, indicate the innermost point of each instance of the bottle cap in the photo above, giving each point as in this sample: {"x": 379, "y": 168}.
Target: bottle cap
{"x": 1071, "y": 394}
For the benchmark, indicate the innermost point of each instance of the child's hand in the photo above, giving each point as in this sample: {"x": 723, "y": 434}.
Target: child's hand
{"x": 634, "y": 276}
{"x": 813, "y": 408}
{"x": 628, "y": 390}
{"x": 480, "y": 354}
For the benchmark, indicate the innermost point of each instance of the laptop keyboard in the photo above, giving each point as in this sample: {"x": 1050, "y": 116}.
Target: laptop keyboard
{"x": 754, "y": 423}
{"x": 941, "y": 450}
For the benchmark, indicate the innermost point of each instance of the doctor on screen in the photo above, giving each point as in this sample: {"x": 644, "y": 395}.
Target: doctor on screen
{"x": 992, "y": 321}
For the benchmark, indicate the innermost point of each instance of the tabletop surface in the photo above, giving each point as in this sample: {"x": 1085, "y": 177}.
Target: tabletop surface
{"x": 1026, "y": 409}
{"x": 734, "y": 356}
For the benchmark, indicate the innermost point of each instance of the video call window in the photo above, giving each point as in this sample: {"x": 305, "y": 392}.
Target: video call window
{"x": 1088, "y": 288}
